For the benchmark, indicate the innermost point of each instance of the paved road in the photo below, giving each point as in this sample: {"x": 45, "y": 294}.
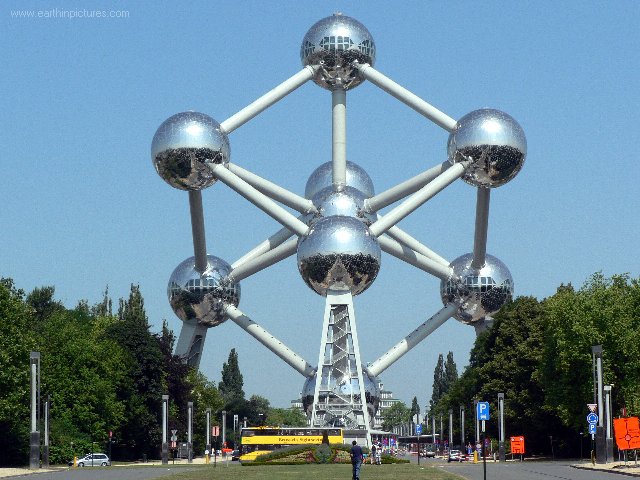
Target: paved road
{"x": 107, "y": 473}
{"x": 557, "y": 470}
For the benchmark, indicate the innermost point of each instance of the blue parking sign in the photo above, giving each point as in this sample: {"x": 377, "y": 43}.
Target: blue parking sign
{"x": 482, "y": 411}
{"x": 592, "y": 429}
{"x": 418, "y": 429}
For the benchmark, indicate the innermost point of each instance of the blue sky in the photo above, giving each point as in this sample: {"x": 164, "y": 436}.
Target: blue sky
{"x": 83, "y": 208}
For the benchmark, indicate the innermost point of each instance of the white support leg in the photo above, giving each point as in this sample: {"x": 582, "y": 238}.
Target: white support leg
{"x": 406, "y": 97}
{"x": 411, "y": 340}
{"x": 339, "y": 138}
{"x": 390, "y": 246}
{"x": 260, "y": 200}
{"x": 265, "y": 260}
{"x": 197, "y": 230}
{"x": 404, "y": 189}
{"x": 482, "y": 225}
{"x": 268, "y": 99}
{"x": 407, "y": 240}
{"x": 273, "y": 241}
{"x": 276, "y": 192}
{"x": 294, "y": 360}
{"x": 191, "y": 342}
{"x": 416, "y": 200}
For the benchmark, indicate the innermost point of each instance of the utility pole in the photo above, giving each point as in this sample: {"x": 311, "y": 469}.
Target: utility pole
{"x": 34, "y": 456}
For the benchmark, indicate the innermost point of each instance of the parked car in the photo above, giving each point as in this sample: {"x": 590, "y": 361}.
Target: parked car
{"x": 235, "y": 456}
{"x": 93, "y": 460}
{"x": 430, "y": 454}
{"x": 454, "y": 456}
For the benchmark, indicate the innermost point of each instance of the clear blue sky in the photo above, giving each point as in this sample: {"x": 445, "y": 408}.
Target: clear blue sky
{"x": 83, "y": 208}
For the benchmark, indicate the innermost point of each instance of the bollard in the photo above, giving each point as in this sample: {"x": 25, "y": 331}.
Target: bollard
{"x": 475, "y": 456}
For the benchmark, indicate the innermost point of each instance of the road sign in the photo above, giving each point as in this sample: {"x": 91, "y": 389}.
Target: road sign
{"x": 482, "y": 411}
{"x": 592, "y": 428}
{"x": 215, "y": 431}
{"x": 592, "y": 407}
{"x": 592, "y": 418}
{"x": 517, "y": 445}
{"x": 173, "y": 432}
{"x": 418, "y": 429}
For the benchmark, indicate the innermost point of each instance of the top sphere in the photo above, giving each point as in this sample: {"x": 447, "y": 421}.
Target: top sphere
{"x": 494, "y": 142}
{"x": 333, "y": 44}
{"x": 477, "y": 292}
{"x": 322, "y": 177}
{"x": 183, "y": 146}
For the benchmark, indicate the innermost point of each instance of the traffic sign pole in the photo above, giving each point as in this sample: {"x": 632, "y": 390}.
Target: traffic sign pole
{"x": 484, "y": 453}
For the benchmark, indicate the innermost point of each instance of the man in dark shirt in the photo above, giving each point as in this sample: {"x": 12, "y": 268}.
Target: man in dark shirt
{"x": 356, "y": 459}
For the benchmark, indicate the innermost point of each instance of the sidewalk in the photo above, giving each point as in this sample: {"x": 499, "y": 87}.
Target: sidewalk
{"x": 630, "y": 469}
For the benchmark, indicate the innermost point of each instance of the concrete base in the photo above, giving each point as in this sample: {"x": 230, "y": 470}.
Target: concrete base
{"x": 34, "y": 455}
{"x": 45, "y": 456}
{"x": 601, "y": 446}
{"x": 501, "y": 453}
{"x": 610, "y": 450}
{"x": 165, "y": 453}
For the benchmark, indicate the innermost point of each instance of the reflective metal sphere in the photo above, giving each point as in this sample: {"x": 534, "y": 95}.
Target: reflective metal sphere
{"x": 333, "y": 44}
{"x": 322, "y": 177}
{"x": 183, "y": 146}
{"x": 338, "y": 253}
{"x": 349, "y": 202}
{"x": 202, "y": 296}
{"x": 371, "y": 391}
{"x": 477, "y": 292}
{"x": 494, "y": 141}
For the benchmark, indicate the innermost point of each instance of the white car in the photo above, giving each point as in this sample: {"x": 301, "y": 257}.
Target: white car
{"x": 94, "y": 460}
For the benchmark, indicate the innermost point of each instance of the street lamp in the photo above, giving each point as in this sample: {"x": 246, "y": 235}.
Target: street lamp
{"x": 261, "y": 415}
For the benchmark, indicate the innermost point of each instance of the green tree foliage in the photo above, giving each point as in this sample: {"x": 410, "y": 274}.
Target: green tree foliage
{"x": 16, "y": 343}
{"x": 415, "y": 408}
{"x": 396, "y": 415}
{"x": 438, "y": 383}
{"x": 450, "y": 372}
{"x": 231, "y": 383}
{"x": 286, "y": 417}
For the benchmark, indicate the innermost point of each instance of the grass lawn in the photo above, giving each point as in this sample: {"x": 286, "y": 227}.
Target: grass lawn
{"x": 314, "y": 472}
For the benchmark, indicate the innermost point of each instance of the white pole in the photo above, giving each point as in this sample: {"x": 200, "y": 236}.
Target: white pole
{"x": 273, "y": 241}
{"x": 398, "y": 250}
{"x": 407, "y": 240}
{"x": 34, "y": 395}
{"x": 265, "y": 260}
{"x": 260, "y": 200}
{"x": 339, "y": 138}
{"x": 268, "y": 99}
{"x": 276, "y": 192}
{"x": 482, "y": 225}
{"x": 189, "y": 428}
{"x": 403, "y": 189}
{"x": 208, "y": 444}
{"x": 600, "y": 401}
{"x": 406, "y": 97}
{"x": 294, "y": 360}
{"x": 411, "y": 340}
{"x": 417, "y": 199}
{"x": 197, "y": 230}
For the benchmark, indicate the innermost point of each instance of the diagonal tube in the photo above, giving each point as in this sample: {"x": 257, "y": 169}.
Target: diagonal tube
{"x": 403, "y": 189}
{"x": 294, "y": 360}
{"x": 443, "y": 272}
{"x": 197, "y": 230}
{"x": 265, "y": 260}
{"x": 260, "y": 200}
{"x": 482, "y": 225}
{"x": 411, "y": 340}
{"x": 273, "y": 241}
{"x": 436, "y": 185}
{"x": 414, "y": 244}
{"x": 405, "y": 96}
{"x": 276, "y": 192}
{"x": 268, "y": 99}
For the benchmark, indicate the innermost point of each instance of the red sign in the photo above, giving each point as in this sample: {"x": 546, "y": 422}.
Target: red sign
{"x": 174, "y": 444}
{"x": 627, "y": 432}
{"x": 517, "y": 445}
{"x": 215, "y": 431}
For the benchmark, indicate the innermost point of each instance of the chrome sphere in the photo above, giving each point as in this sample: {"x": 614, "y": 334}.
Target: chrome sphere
{"x": 183, "y": 146}
{"x": 371, "y": 391}
{"x": 322, "y": 177}
{"x": 333, "y": 44}
{"x": 477, "y": 292}
{"x": 338, "y": 253}
{"x": 349, "y": 203}
{"x": 201, "y": 296}
{"x": 494, "y": 142}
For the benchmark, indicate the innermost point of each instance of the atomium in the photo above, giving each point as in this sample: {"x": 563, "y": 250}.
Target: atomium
{"x": 494, "y": 142}
{"x": 333, "y": 44}
{"x": 202, "y": 296}
{"x": 338, "y": 253}
{"x": 183, "y": 146}
{"x": 477, "y": 292}
{"x": 340, "y": 223}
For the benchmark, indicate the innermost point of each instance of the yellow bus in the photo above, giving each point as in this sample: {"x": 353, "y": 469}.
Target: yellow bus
{"x": 260, "y": 440}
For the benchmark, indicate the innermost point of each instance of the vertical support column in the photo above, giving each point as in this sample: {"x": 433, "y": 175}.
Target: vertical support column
{"x": 197, "y": 230}
{"x": 191, "y": 342}
{"x": 165, "y": 424}
{"x": 501, "y": 452}
{"x": 601, "y": 453}
{"x": 224, "y": 429}
{"x": 189, "y": 431}
{"x": 208, "y": 447}
{"x": 482, "y": 225}
{"x": 34, "y": 440}
{"x": 339, "y": 137}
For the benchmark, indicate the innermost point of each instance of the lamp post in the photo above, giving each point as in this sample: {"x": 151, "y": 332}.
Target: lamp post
{"x": 208, "y": 447}
{"x": 462, "y": 442}
{"x": 34, "y": 456}
{"x": 165, "y": 423}
{"x": 190, "y": 428}
{"x": 501, "y": 452}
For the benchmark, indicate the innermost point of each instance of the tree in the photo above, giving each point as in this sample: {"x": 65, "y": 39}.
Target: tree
{"x": 286, "y": 417}
{"x": 415, "y": 409}
{"x": 43, "y": 304}
{"x": 438, "y": 382}
{"x": 231, "y": 384}
{"x": 450, "y": 372}
{"x": 395, "y": 416}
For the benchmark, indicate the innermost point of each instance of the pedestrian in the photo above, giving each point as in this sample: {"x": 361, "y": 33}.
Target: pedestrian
{"x": 379, "y": 454}
{"x": 373, "y": 453}
{"x": 356, "y": 459}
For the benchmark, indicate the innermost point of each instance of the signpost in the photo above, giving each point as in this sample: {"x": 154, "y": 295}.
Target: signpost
{"x": 482, "y": 415}
{"x": 418, "y": 433}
